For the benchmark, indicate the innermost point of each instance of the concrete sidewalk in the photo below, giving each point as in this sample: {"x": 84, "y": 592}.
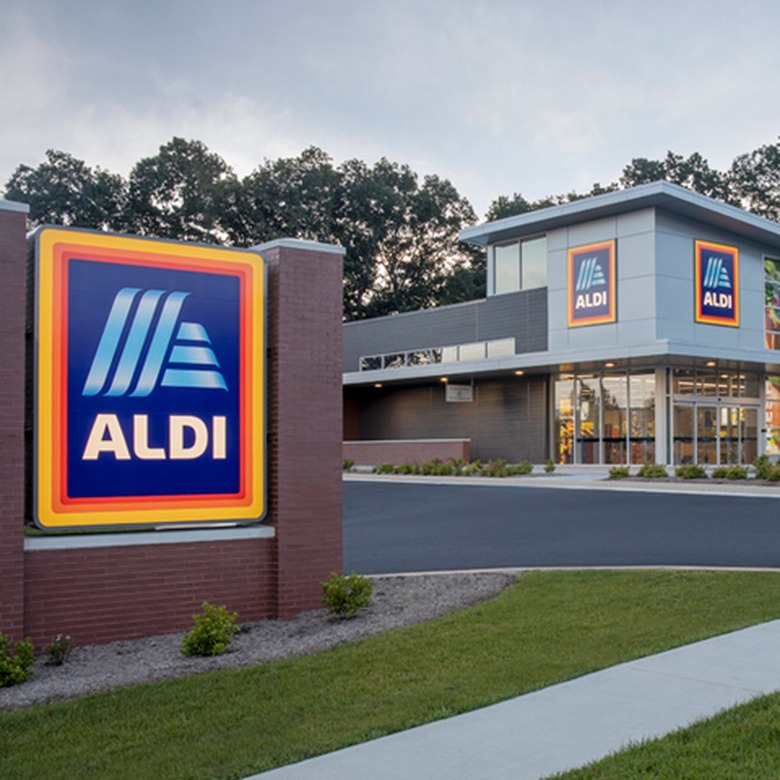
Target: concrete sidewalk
{"x": 568, "y": 725}
{"x": 590, "y": 478}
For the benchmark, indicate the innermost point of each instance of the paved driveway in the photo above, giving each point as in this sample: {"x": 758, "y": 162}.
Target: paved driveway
{"x": 411, "y": 526}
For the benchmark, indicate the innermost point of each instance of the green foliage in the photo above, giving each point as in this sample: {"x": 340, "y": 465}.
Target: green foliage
{"x": 15, "y": 662}
{"x": 520, "y": 469}
{"x": 212, "y": 633}
{"x": 347, "y": 464}
{"x": 345, "y": 595}
{"x": 65, "y": 191}
{"x": 730, "y": 472}
{"x": 652, "y": 471}
{"x": 774, "y": 473}
{"x": 384, "y": 468}
{"x": 561, "y": 624}
{"x": 691, "y": 471}
{"x": 763, "y": 467}
{"x": 59, "y": 650}
{"x": 619, "y": 472}
{"x": 549, "y": 466}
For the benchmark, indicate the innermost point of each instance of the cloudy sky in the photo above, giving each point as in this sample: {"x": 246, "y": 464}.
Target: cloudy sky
{"x": 538, "y": 97}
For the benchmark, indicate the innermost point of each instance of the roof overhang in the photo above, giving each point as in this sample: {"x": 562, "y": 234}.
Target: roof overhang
{"x": 659, "y": 194}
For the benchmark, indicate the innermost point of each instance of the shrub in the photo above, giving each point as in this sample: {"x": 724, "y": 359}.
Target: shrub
{"x": 385, "y": 468}
{"x": 213, "y": 630}
{"x": 730, "y": 472}
{"x": 347, "y": 464}
{"x": 494, "y": 468}
{"x": 458, "y": 465}
{"x": 549, "y": 466}
{"x": 473, "y": 469}
{"x": 59, "y": 650}
{"x": 522, "y": 468}
{"x": 344, "y": 595}
{"x": 691, "y": 471}
{"x": 619, "y": 472}
{"x": 763, "y": 467}
{"x": 774, "y": 473}
{"x": 15, "y": 663}
{"x": 652, "y": 471}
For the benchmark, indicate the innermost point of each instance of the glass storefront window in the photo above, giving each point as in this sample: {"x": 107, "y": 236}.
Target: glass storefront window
{"x": 683, "y": 381}
{"x": 642, "y": 392}
{"x": 588, "y": 420}
{"x": 614, "y": 402}
{"x": 771, "y": 303}
{"x": 563, "y": 434}
{"x": 684, "y": 435}
{"x": 772, "y": 415}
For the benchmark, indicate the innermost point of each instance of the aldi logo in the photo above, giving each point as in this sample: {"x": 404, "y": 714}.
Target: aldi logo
{"x": 149, "y": 381}
{"x": 591, "y": 284}
{"x": 717, "y": 284}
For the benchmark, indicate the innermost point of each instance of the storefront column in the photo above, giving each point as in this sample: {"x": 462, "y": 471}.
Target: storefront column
{"x": 661, "y": 416}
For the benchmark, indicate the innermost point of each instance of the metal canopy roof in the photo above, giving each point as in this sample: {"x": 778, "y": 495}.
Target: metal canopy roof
{"x": 659, "y": 194}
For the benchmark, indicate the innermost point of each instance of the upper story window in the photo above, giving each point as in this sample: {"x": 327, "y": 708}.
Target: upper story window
{"x": 521, "y": 265}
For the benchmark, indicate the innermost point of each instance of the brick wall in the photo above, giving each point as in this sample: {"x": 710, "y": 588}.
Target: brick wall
{"x": 138, "y": 588}
{"x": 12, "y": 344}
{"x": 305, "y": 421}
{"x": 125, "y": 592}
{"x": 374, "y": 453}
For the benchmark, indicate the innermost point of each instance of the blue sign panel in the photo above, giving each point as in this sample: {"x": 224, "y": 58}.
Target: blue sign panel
{"x": 153, "y": 385}
{"x": 591, "y": 284}
{"x": 149, "y": 381}
{"x": 717, "y": 284}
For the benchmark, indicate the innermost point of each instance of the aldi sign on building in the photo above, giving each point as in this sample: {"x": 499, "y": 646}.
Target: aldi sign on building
{"x": 591, "y": 284}
{"x": 717, "y": 284}
{"x": 149, "y": 381}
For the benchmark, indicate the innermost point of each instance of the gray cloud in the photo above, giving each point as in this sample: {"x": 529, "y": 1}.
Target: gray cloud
{"x": 498, "y": 96}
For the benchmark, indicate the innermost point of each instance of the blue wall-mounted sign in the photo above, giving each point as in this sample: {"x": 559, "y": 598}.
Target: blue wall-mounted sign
{"x": 591, "y": 275}
{"x": 716, "y": 274}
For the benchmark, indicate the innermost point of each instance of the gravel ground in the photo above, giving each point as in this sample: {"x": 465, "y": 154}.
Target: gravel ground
{"x": 397, "y": 601}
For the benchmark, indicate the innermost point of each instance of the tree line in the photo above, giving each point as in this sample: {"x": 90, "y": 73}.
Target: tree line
{"x": 400, "y": 233}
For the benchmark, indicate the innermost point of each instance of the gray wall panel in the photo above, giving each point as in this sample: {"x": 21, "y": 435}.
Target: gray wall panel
{"x": 507, "y": 419}
{"x": 521, "y": 314}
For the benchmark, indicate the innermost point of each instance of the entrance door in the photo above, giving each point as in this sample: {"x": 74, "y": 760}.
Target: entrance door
{"x": 711, "y": 434}
{"x": 707, "y": 435}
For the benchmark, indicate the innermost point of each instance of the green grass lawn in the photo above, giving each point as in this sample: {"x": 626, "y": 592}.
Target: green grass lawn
{"x": 548, "y": 627}
{"x": 743, "y": 742}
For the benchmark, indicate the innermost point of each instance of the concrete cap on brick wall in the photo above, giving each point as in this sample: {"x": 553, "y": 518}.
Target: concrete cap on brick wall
{"x": 12, "y": 205}
{"x": 299, "y": 243}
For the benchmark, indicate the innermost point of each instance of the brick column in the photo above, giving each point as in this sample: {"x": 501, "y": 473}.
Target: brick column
{"x": 13, "y": 274}
{"x": 304, "y": 417}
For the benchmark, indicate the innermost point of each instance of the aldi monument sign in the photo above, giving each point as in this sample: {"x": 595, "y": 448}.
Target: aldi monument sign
{"x": 149, "y": 381}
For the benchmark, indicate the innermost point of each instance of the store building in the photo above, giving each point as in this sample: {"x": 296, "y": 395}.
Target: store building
{"x": 636, "y": 326}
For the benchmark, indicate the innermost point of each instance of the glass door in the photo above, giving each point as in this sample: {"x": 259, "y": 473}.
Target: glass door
{"x": 684, "y": 435}
{"x": 707, "y": 435}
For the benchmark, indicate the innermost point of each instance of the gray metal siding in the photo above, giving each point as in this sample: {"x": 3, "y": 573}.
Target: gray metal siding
{"x": 522, "y": 315}
{"x": 507, "y": 419}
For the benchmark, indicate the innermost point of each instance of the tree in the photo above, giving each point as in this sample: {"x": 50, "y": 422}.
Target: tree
{"x": 184, "y": 192}
{"x": 693, "y": 172}
{"x": 288, "y": 197}
{"x": 401, "y": 239}
{"x": 754, "y": 181}
{"x": 65, "y": 191}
